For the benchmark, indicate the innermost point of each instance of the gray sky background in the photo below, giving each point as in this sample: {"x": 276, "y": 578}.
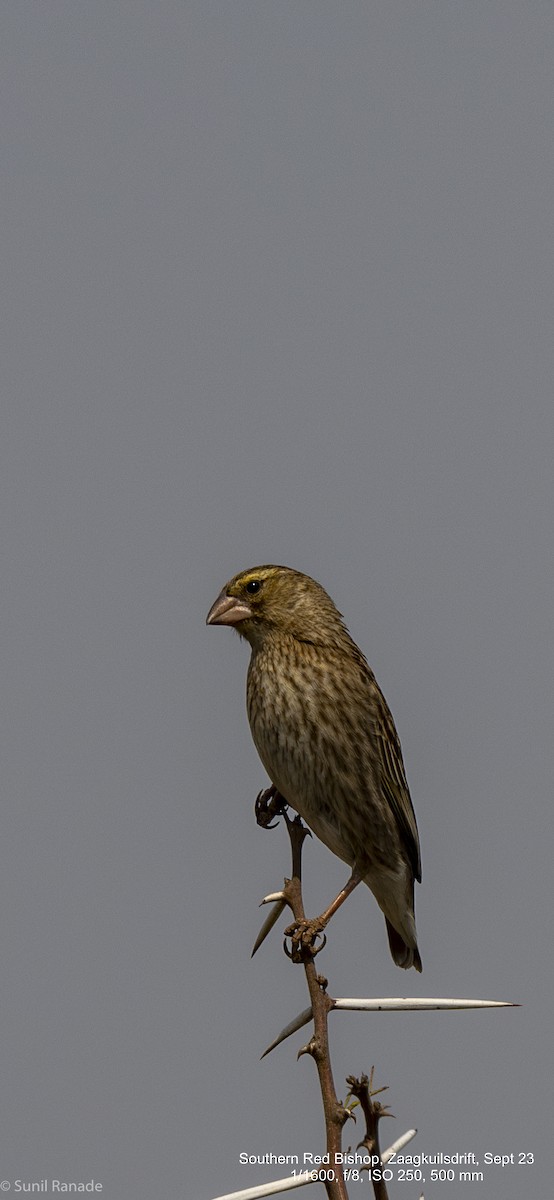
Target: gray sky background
{"x": 277, "y": 286}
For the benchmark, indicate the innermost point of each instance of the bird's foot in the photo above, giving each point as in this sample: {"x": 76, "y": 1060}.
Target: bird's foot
{"x": 269, "y": 804}
{"x": 303, "y": 937}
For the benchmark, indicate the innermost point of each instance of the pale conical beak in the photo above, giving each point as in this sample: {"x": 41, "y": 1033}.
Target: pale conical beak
{"x": 228, "y": 610}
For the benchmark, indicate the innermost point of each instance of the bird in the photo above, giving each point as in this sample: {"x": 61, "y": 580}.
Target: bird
{"x": 326, "y": 737}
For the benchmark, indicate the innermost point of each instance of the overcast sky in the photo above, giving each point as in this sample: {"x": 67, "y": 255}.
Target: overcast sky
{"x": 277, "y": 287}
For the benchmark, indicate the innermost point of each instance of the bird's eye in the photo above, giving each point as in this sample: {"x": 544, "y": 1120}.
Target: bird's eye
{"x": 253, "y": 586}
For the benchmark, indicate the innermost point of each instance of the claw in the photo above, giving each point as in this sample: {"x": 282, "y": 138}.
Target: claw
{"x": 269, "y": 804}
{"x": 303, "y": 936}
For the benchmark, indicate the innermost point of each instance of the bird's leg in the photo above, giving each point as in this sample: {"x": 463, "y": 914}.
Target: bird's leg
{"x": 343, "y": 895}
{"x": 269, "y": 804}
{"x": 304, "y": 933}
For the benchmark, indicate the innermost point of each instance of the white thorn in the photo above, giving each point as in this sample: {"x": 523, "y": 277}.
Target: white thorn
{"x": 271, "y": 1189}
{"x": 273, "y": 896}
{"x": 415, "y": 1002}
{"x": 292, "y": 1027}
{"x": 268, "y": 924}
{"x": 397, "y": 1145}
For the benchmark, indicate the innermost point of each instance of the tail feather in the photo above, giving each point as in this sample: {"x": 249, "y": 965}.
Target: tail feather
{"x": 404, "y": 956}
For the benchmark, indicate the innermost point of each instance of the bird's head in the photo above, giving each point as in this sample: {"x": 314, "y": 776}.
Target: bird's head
{"x": 277, "y": 600}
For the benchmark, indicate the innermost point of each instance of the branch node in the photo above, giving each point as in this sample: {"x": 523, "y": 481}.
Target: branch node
{"x": 372, "y": 1109}
{"x": 309, "y": 1048}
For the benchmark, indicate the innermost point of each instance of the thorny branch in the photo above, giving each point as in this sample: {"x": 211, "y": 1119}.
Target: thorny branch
{"x": 303, "y": 936}
{"x": 373, "y": 1110}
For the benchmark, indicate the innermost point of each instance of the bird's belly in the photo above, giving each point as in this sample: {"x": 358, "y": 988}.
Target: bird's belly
{"x": 303, "y": 779}
{"x": 321, "y": 761}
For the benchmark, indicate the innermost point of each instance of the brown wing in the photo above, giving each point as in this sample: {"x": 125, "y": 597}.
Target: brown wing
{"x": 393, "y": 780}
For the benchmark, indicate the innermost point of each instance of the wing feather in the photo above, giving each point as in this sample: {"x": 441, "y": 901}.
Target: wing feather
{"x": 393, "y": 780}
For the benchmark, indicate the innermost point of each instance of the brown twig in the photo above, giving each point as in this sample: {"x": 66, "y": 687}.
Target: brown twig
{"x": 373, "y": 1110}
{"x": 304, "y": 950}
{"x": 303, "y": 936}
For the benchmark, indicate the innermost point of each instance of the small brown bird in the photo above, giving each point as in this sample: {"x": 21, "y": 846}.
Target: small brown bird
{"x": 326, "y": 737}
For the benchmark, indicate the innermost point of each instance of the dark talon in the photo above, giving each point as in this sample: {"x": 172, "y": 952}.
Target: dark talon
{"x": 269, "y": 804}
{"x": 289, "y": 953}
{"x": 303, "y": 936}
